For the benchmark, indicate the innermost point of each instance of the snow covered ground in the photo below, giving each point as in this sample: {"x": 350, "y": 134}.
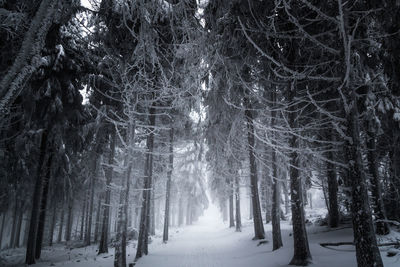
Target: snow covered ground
{"x": 209, "y": 243}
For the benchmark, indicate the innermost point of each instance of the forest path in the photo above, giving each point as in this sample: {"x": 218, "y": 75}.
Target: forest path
{"x": 207, "y": 243}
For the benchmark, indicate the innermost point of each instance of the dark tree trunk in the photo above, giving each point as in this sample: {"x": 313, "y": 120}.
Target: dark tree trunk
{"x": 276, "y": 192}
{"x": 83, "y": 219}
{"x": 168, "y": 187}
{"x": 333, "y": 207}
{"x": 332, "y": 195}
{"x": 142, "y": 246}
{"x": 152, "y": 214}
{"x": 19, "y": 225}
{"x": 68, "y": 227}
{"x": 367, "y": 251}
{"x": 381, "y": 227}
{"x": 257, "y": 218}
{"x": 43, "y": 207}
{"x": 14, "y": 221}
{"x": 121, "y": 238}
{"x": 86, "y": 214}
{"x": 302, "y": 255}
{"x": 251, "y": 204}
{"x": 33, "y": 225}
{"x": 91, "y": 198}
{"x": 122, "y": 227}
{"x": 231, "y": 208}
{"x": 60, "y": 229}
{"x": 286, "y": 193}
{"x": 268, "y": 198}
{"x": 97, "y": 223}
{"x": 237, "y": 198}
{"x": 3, "y": 221}
{"x": 103, "y": 246}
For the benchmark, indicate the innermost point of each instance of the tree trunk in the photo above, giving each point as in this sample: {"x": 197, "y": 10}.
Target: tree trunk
{"x": 103, "y": 246}
{"x": 332, "y": 192}
{"x": 14, "y": 221}
{"x": 68, "y": 227}
{"x": 120, "y": 242}
{"x": 19, "y": 225}
{"x": 231, "y": 208}
{"x": 302, "y": 255}
{"x": 60, "y": 229}
{"x": 152, "y": 213}
{"x": 97, "y": 223}
{"x": 33, "y": 225}
{"x": 120, "y": 247}
{"x": 142, "y": 246}
{"x": 168, "y": 187}
{"x": 3, "y": 221}
{"x": 367, "y": 251}
{"x": 286, "y": 193}
{"x": 250, "y": 205}
{"x": 237, "y": 197}
{"x": 91, "y": 200}
{"x": 331, "y": 199}
{"x": 83, "y": 219}
{"x": 43, "y": 207}
{"x": 381, "y": 227}
{"x": 257, "y": 218}
{"x": 276, "y": 192}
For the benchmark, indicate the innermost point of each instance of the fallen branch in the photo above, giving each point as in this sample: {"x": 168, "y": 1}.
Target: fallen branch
{"x": 352, "y": 244}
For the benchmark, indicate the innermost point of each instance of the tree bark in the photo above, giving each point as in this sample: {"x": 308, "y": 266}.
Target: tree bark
{"x": 43, "y": 208}
{"x": 142, "y": 246}
{"x": 302, "y": 255}
{"x": 103, "y": 246}
{"x": 33, "y": 225}
{"x": 3, "y": 221}
{"x": 14, "y": 221}
{"x": 19, "y": 225}
{"x": 231, "y": 208}
{"x": 68, "y": 227}
{"x": 91, "y": 200}
{"x": 97, "y": 223}
{"x": 257, "y": 218}
{"x": 60, "y": 229}
{"x": 120, "y": 243}
{"x": 83, "y": 219}
{"x": 333, "y": 210}
{"x": 237, "y": 197}
{"x": 367, "y": 251}
{"x": 276, "y": 192}
{"x": 168, "y": 186}
{"x": 121, "y": 238}
{"x": 152, "y": 230}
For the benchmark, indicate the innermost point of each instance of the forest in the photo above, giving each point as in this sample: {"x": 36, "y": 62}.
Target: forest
{"x": 200, "y": 133}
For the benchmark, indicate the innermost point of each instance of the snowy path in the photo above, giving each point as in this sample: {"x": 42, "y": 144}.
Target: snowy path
{"x": 207, "y": 243}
